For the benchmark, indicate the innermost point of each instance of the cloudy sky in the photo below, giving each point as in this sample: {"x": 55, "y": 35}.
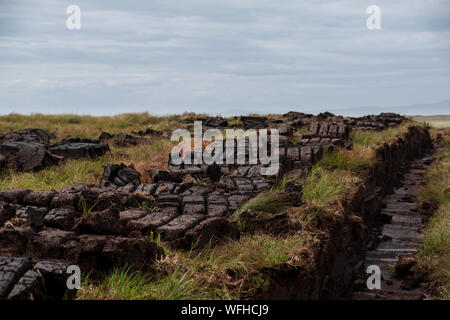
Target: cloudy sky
{"x": 222, "y": 56}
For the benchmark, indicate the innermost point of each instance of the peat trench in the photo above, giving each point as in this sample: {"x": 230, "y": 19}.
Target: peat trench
{"x": 399, "y": 239}
{"x": 378, "y": 221}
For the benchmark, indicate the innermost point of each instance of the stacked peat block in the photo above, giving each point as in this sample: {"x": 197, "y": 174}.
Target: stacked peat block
{"x": 207, "y": 123}
{"x": 25, "y": 150}
{"x": 23, "y": 279}
{"x": 30, "y": 150}
{"x": 77, "y": 223}
{"x": 295, "y": 115}
{"x": 78, "y": 148}
{"x": 216, "y": 122}
{"x": 298, "y": 160}
{"x": 153, "y": 132}
{"x": 31, "y": 135}
{"x": 183, "y": 207}
{"x": 321, "y": 137}
{"x": 123, "y": 139}
{"x": 121, "y": 177}
{"x": 186, "y": 212}
{"x": 326, "y": 134}
{"x": 52, "y": 209}
{"x": 81, "y": 224}
{"x": 380, "y": 122}
{"x": 285, "y": 128}
{"x": 254, "y": 122}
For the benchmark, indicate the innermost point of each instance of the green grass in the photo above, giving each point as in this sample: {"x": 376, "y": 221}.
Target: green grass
{"x": 329, "y": 179}
{"x": 438, "y": 179}
{"x": 122, "y": 284}
{"x": 55, "y": 177}
{"x": 437, "y": 240}
{"x": 323, "y": 185}
{"x": 253, "y": 252}
{"x": 357, "y": 160}
{"x": 269, "y": 201}
{"x": 68, "y": 125}
{"x": 434, "y": 255}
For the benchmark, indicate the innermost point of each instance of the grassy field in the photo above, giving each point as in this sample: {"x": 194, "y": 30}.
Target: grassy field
{"x": 65, "y": 126}
{"x": 440, "y": 121}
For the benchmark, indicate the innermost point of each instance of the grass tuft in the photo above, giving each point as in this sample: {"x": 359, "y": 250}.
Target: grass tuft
{"x": 438, "y": 178}
{"x": 357, "y": 160}
{"x": 269, "y": 201}
{"x": 434, "y": 255}
{"x": 323, "y": 185}
{"x": 122, "y": 284}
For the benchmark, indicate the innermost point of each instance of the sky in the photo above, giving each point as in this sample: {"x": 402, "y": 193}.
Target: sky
{"x": 222, "y": 57}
